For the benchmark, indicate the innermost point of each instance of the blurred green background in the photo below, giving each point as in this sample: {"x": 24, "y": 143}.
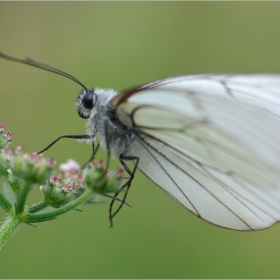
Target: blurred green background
{"x": 119, "y": 45}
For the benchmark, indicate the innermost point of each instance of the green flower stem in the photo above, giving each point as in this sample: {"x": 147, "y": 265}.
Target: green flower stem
{"x": 8, "y": 192}
{"x": 53, "y": 213}
{"x": 21, "y": 198}
{"x": 4, "y": 203}
{"x": 38, "y": 207}
{"x": 10, "y": 226}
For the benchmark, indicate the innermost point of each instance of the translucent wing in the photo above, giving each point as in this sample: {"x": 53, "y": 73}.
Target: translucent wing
{"x": 212, "y": 143}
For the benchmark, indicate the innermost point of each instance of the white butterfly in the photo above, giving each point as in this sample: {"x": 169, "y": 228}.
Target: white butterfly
{"x": 211, "y": 142}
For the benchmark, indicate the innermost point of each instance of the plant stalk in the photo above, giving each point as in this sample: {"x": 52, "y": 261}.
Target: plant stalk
{"x": 10, "y": 226}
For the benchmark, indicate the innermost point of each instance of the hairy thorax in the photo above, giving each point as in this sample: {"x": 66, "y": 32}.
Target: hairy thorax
{"x": 105, "y": 126}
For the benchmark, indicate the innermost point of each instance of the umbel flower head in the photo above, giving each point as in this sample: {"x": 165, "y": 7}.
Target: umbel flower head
{"x": 58, "y": 192}
{"x": 32, "y": 167}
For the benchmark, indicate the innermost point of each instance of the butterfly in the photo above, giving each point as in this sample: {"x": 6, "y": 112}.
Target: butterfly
{"x": 210, "y": 141}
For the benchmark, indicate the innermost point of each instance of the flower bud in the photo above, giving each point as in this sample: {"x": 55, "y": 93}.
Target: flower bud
{"x": 114, "y": 181}
{"x": 5, "y": 157}
{"x": 95, "y": 176}
{"x": 4, "y": 137}
{"x": 100, "y": 180}
{"x": 70, "y": 167}
{"x": 14, "y": 182}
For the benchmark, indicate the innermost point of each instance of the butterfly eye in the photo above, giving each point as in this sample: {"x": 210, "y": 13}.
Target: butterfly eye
{"x": 88, "y": 100}
{"x": 85, "y": 102}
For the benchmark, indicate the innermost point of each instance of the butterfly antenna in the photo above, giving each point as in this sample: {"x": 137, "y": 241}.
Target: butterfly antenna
{"x": 43, "y": 66}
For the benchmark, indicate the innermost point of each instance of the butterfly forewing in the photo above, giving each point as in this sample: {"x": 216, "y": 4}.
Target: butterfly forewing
{"x": 212, "y": 143}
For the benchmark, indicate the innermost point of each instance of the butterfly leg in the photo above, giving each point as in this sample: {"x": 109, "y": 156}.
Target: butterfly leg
{"x": 78, "y": 137}
{"x": 93, "y": 153}
{"x": 127, "y": 185}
